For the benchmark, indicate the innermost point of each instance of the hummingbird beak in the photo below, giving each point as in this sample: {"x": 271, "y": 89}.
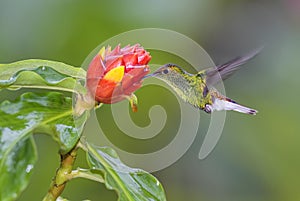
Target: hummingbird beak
{"x": 146, "y": 76}
{"x": 150, "y": 75}
{"x": 156, "y": 72}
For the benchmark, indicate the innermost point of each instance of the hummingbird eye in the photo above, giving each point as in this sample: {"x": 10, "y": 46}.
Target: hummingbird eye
{"x": 165, "y": 71}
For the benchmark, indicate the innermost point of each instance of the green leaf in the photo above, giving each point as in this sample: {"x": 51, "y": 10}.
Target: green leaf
{"x": 42, "y": 74}
{"x": 16, "y": 166}
{"x": 131, "y": 184}
{"x": 32, "y": 113}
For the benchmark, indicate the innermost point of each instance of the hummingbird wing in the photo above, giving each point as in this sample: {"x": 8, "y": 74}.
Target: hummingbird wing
{"x": 222, "y": 72}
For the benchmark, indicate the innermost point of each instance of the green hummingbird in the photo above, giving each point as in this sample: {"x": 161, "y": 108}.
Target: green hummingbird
{"x": 197, "y": 89}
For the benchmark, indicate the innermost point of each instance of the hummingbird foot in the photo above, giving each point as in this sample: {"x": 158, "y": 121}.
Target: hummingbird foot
{"x": 208, "y": 108}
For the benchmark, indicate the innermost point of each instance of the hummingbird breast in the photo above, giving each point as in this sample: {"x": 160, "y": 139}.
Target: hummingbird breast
{"x": 192, "y": 89}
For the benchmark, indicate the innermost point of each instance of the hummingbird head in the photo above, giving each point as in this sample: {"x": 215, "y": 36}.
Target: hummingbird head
{"x": 177, "y": 78}
{"x": 168, "y": 73}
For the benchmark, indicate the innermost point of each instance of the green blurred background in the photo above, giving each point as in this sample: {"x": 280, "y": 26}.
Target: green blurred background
{"x": 257, "y": 157}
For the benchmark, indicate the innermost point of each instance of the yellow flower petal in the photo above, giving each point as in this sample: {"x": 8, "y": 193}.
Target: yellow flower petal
{"x": 102, "y": 53}
{"x": 115, "y": 74}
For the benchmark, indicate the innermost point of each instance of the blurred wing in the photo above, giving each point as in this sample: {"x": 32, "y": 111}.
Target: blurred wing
{"x": 222, "y": 72}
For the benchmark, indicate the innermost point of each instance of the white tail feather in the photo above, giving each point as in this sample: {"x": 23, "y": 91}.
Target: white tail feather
{"x": 220, "y": 104}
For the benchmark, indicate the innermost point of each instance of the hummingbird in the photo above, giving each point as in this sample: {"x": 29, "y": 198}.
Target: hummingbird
{"x": 197, "y": 89}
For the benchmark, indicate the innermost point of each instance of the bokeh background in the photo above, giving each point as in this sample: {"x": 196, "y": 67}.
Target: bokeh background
{"x": 257, "y": 157}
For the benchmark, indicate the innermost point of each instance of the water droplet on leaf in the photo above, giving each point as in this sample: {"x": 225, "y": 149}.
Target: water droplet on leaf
{"x": 29, "y": 168}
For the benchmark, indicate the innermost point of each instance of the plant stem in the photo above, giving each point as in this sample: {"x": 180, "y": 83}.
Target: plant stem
{"x": 62, "y": 175}
{"x": 65, "y": 172}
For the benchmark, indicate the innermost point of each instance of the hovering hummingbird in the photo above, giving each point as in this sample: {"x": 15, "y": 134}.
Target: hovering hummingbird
{"x": 197, "y": 89}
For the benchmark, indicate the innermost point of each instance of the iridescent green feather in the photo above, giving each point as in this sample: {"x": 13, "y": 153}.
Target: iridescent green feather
{"x": 188, "y": 86}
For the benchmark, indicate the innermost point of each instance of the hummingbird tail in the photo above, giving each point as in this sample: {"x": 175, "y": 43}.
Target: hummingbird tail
{"x": 228, "y": 104}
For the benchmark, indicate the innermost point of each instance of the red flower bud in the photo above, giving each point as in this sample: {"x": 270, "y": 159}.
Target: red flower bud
{"x": 114, "y": 75}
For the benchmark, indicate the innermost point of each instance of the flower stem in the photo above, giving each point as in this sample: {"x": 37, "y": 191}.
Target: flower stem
{"x": 62, "y": 175}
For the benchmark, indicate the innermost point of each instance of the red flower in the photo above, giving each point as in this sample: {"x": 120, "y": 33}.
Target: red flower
{"x": 114, "y": 75}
